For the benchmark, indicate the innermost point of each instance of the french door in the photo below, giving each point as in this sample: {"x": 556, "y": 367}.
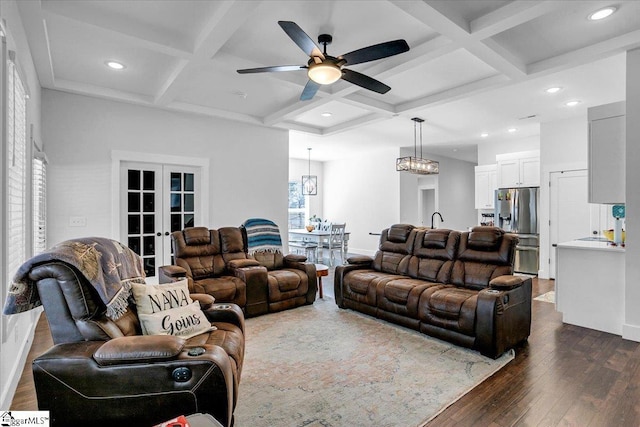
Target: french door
{"x": 156, "y": 199}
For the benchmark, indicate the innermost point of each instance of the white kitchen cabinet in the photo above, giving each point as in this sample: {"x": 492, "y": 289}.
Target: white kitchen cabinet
{"x": 486, "y": 184}
{"x": 607, "y": 147}
{"x": 520, "y": 169}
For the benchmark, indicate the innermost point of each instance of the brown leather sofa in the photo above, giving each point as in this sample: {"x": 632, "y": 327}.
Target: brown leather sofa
{"x": 454, "y": 286}
{"x": 102, "y": 372}
{"x": 216, "y": 262}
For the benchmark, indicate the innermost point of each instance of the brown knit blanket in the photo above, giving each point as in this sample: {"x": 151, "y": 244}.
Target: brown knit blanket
{"x": 107, "y": 264}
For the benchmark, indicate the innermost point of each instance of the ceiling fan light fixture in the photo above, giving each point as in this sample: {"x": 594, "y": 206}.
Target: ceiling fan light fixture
{"x": 324, "y": 73}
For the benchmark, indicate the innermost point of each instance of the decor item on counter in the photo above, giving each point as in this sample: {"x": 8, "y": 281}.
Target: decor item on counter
{"x": 310, "y": 227}
{"x": 415, "y": 164}
{"x": 609, "y": 234}
{"x": 309, "y": 182}
{"x": 618, "y": 212}
{"x": 342, "y": 368}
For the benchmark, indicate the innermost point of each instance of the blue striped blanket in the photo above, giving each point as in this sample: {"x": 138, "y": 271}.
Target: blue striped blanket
{"x": 263, "y": 235}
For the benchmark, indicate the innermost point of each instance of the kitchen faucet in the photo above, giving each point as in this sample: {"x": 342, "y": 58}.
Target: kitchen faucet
{"x": 434, "y": 214}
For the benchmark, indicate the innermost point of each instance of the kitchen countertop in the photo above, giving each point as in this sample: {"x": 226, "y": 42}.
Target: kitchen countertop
{"x": 591, "y": 245}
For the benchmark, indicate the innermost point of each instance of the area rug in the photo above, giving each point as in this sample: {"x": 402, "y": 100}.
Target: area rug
{"x": 319, "y": 365}
{"x": 547, "y": 297}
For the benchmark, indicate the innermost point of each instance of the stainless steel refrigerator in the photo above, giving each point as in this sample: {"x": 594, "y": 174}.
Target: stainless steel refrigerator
{"x": 516, "y": 211}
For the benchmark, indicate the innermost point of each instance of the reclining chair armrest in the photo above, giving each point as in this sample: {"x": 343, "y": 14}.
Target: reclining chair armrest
{"x": 74, "y": 366}
{"x": 294, "y": 258}
{"x": 340, "y": 272}
{"x": 360, "y": 260}
{"x": 139, "y": 349}
{"x": 503, "y": 318}
{"x": 171, "y": 273}
{"x": 205, "y": 300}
{"x": 507, "y": 282}
{"x": 242, "y": 263}
{"x": 225, "y": 312}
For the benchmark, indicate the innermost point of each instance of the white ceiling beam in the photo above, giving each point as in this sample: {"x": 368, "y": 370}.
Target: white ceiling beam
{"x": 225, "y": 21}
{"x": 355, "y": 123}
{"x": 296, "y": 109}
{"x": 511, "y": 15}
{"x": 102, "y": 92}
{"x": 117, "y": 30}
{"x": 451, "y": 27}
{"x": 374, "y": 105}
{"x": 212, "y": 112}
{"x": 38, "y": 38}
{"x": 587, "y": 54}
{"x": 454, "y": 94}
{"x": 299, "y": 127}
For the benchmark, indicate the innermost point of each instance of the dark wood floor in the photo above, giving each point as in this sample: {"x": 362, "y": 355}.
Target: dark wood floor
{"x": 563, "y": 376}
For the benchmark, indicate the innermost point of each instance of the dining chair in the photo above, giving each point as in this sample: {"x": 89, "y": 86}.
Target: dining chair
{"x": 335, "y": 242}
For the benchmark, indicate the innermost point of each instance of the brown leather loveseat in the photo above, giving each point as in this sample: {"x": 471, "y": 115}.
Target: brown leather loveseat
{"x": 454, "y": 286}
{"x": 216, "y": 262}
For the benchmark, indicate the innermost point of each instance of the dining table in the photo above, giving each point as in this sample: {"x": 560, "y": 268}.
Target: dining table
{"x": 317, "y": 236}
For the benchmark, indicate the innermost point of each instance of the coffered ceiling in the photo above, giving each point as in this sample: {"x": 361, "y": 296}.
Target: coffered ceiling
{"x": 473, "y": 66}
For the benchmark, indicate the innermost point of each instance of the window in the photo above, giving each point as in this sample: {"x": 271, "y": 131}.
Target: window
{"x": 16, "y": 163}
{"x": 296, "y": 205}
{"x": 39, "y": 173}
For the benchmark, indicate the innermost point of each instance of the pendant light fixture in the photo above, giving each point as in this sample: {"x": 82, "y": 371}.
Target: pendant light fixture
{"x": 309, "y": 182}
{"x": 415, "y": 164}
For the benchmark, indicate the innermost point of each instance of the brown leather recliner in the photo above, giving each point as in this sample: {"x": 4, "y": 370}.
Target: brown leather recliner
{"x": 102, "y": 372}
{"x": 291, "y": 280}
{"x": 215, "y": 263}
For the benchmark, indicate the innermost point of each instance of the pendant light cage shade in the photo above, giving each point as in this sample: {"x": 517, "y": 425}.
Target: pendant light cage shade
{"x": 309, "y": 182}
{"x": 417, "y": 164}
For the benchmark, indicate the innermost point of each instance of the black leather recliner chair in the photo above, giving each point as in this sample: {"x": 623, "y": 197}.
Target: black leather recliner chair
{"x": 105, "y": 372}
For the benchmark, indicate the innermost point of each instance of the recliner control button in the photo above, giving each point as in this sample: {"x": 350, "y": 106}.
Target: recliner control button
{"x": 196, "y": 351}
{"x": 181, "y": 375}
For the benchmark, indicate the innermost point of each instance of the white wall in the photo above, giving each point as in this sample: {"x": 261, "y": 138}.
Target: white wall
{"x": 17, "y": 330}
{"x": 455, "y": 194}
{"x": 631, "y": 327}
{"x": 248, "y": 164}
{"x": 563, "y": 146}
{"x": 364, "y": 193}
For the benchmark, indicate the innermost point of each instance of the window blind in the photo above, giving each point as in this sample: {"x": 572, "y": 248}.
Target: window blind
{"x": 39, "y": 173}
{"x": 16, "y": 120}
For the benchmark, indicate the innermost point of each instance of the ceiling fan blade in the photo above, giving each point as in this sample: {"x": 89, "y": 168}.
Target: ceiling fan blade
{"x": 309, "y": 91}
{"x": 301, "y": 38}
{"x": 376, "y": 51}
{"x": 272, "y": 69}
{"x": 364, "y": 81}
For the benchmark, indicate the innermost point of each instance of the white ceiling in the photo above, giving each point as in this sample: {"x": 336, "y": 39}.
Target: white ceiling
{"x": 474, "y": 65}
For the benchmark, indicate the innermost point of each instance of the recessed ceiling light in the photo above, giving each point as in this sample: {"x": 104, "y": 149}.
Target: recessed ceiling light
{"x": 554, "y": 89}
{"x": 326, "y": 114}
{"x": 484, "y": 135}
{"x": 602, "y": 13}
{"x": 571, "y": 103}
{"x": 511, "y": 130}
{"x": 115, "y": 65}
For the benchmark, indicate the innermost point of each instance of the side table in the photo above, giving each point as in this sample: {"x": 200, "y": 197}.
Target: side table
{"x": 321, "y": 271}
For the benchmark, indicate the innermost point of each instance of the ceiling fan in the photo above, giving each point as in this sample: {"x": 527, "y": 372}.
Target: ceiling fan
{"x": 324, "y": 69}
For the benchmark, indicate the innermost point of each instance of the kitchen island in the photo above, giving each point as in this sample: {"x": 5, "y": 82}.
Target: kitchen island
{"x": 590, "y": 279}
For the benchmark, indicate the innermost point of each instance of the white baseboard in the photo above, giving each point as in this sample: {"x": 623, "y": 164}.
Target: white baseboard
{"x": 15, "y": 372}
{"x": 631, "y": 332}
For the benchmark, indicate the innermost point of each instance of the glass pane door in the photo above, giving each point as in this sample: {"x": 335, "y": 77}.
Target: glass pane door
{"x": 156, "y": 200}
{"x": 143, "y": 213}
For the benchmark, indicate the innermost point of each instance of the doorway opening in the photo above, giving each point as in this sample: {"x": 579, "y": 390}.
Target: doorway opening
{"x": 427, "y": 204}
